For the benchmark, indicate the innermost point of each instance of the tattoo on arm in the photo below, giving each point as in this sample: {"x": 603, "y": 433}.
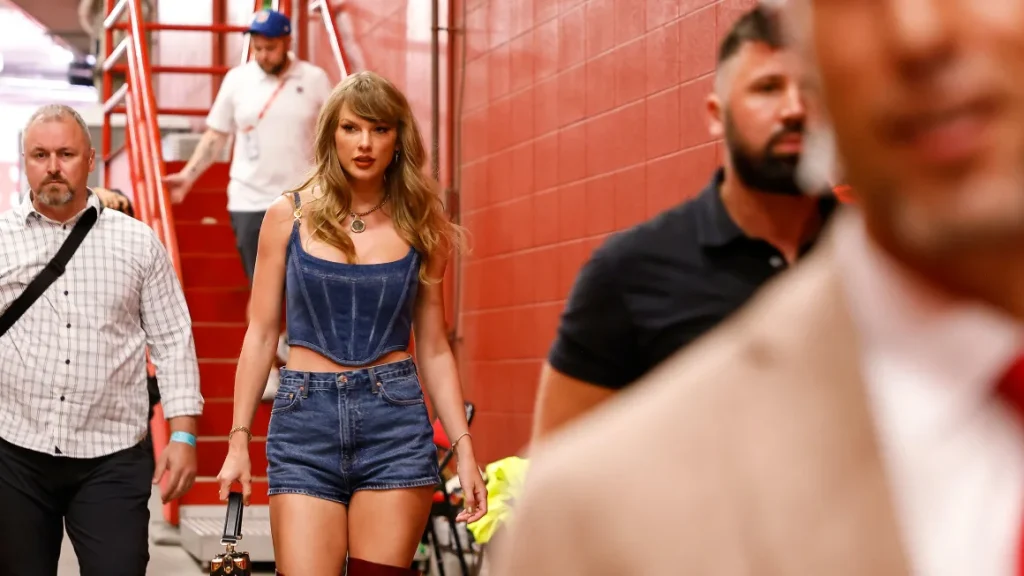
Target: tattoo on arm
{"x": 209, "y": 148}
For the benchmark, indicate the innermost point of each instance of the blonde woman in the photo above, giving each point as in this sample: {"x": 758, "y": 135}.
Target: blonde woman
{"x": 359, "y": 252}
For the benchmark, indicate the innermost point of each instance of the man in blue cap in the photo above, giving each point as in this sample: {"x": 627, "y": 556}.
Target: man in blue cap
{"x": 271, "y": 32}
{"x": 270, "y": 104}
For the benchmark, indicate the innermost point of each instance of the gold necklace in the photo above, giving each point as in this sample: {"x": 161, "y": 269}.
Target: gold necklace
{"x": 357, "y": 224}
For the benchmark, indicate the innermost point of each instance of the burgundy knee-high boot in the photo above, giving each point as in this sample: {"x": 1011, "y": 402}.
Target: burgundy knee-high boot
{"x": 357, "y": 567}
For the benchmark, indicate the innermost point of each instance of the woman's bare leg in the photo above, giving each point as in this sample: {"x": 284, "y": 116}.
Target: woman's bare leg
{"x": 387, "y": 525}
{"x": 310, "y": 535}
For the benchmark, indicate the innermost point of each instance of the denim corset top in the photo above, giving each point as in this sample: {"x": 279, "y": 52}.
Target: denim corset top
{"x": 350, "y": 313}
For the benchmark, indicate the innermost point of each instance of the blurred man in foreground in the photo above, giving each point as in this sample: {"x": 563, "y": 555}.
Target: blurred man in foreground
{"x": 860, "y": 416}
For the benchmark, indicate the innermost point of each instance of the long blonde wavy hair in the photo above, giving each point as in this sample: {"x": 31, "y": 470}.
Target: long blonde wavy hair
{"x": 414, "y": 203}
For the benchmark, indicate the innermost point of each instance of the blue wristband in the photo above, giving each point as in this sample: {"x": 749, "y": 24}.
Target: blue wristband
{"x": 184, "y": 438}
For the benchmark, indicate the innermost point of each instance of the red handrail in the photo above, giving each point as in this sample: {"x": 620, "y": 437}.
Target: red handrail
{"x": 327, "y": 17}
{"x": 143, "y": 131}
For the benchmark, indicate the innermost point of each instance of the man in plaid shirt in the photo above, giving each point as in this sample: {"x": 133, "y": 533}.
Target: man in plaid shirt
{"x": 73, "y": 382}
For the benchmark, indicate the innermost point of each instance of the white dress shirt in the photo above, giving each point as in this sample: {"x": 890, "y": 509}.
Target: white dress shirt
{"x": 954, "y": 451}
{"x": 73, "y": 368}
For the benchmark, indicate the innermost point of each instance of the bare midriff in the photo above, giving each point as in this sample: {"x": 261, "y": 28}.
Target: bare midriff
{"x": 305, "y": 360}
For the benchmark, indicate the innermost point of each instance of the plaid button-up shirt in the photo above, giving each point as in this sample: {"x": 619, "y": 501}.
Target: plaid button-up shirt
{"x": 73, "y": 368}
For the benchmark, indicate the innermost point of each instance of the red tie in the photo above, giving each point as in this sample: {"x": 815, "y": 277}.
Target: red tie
{"x": 1011, "y": 388}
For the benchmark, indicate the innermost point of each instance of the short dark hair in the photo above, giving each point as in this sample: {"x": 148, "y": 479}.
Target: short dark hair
{"x": 760, "y": 24}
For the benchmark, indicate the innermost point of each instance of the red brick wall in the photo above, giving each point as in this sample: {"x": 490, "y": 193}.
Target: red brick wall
{"x": 581, "y": 117}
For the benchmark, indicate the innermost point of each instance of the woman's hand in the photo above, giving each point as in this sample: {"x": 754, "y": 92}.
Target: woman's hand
{"x": 474, "y": 491}
{"x": 236, "y": 468}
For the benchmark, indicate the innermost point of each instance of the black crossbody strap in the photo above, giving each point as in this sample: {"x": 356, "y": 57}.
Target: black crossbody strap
{"x": 49, "y": 274}
{"x": 233, "y": 522}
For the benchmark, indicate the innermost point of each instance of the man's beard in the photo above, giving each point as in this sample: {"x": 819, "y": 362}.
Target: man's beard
{"x": 765, "y": 171}
{"x": 275, "y": 69}
{"x": 54, "y": 194}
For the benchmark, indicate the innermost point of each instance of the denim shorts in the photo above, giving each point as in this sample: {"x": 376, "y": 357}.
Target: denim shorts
{"x": 333, "y": 433}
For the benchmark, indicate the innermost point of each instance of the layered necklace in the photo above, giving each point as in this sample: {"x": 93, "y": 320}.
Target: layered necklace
{"x": 358, "y": 225}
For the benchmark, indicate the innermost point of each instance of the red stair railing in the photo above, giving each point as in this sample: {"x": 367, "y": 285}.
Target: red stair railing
{"x": 143, "y": 144}
{"x": 326, "y": 11}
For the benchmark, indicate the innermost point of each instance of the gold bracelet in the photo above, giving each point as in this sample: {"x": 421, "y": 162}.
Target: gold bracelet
{"x": 455, "y": 445}
{"x": 240, "y": 429}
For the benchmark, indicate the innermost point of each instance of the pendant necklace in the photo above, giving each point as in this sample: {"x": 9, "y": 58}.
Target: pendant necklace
{"x": 357, "y": 224}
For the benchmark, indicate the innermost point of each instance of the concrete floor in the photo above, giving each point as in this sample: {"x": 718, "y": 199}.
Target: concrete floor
{"x": 164, "y": 560}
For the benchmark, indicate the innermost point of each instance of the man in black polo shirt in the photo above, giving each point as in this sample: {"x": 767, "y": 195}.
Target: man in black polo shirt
{"x": 659, "y": 286}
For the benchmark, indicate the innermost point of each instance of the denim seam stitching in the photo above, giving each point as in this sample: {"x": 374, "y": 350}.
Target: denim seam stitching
{"x": 376, "y": 314}
{"x": 399, "y": 485}
{"x": 397, "y": 369}
{"x": 330, "y": 309}
{"x": 387, "y": 372}
{"x": 291, "y": 406}
{"x": 305, "y": 295}
{"x": 413, "y": 267}
{"x": 275, "y": 491}
{"x": 400, "y": 403}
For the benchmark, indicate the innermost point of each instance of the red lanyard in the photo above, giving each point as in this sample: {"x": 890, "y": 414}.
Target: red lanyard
{"x": 266, "y": 106}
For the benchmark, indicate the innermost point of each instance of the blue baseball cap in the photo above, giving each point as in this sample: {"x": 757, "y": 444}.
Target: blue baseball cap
{"x": 270, "y": 24}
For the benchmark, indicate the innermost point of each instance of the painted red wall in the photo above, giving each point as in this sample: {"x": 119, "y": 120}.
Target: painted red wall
{"x": 581, "y": 117}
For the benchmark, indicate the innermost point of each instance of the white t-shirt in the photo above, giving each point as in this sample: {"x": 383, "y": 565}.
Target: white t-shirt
{"x": 283, "y": 138}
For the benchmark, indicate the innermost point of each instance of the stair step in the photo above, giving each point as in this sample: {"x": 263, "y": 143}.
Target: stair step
{"x": 209, "y": 238}
{"x": 217, "y": 175}
{"x": 212, "y": 451}
{"x": 218, "y": 340}
{"x": 205, "y": 491}
{"x": 201, "y": 204}
{"x": 217, "y": 415}
{"x": 217, "y": 378}
{"x": 217, "y": 293}
{"x": 217, "y": 304}
{"x": 212, "y": 271}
